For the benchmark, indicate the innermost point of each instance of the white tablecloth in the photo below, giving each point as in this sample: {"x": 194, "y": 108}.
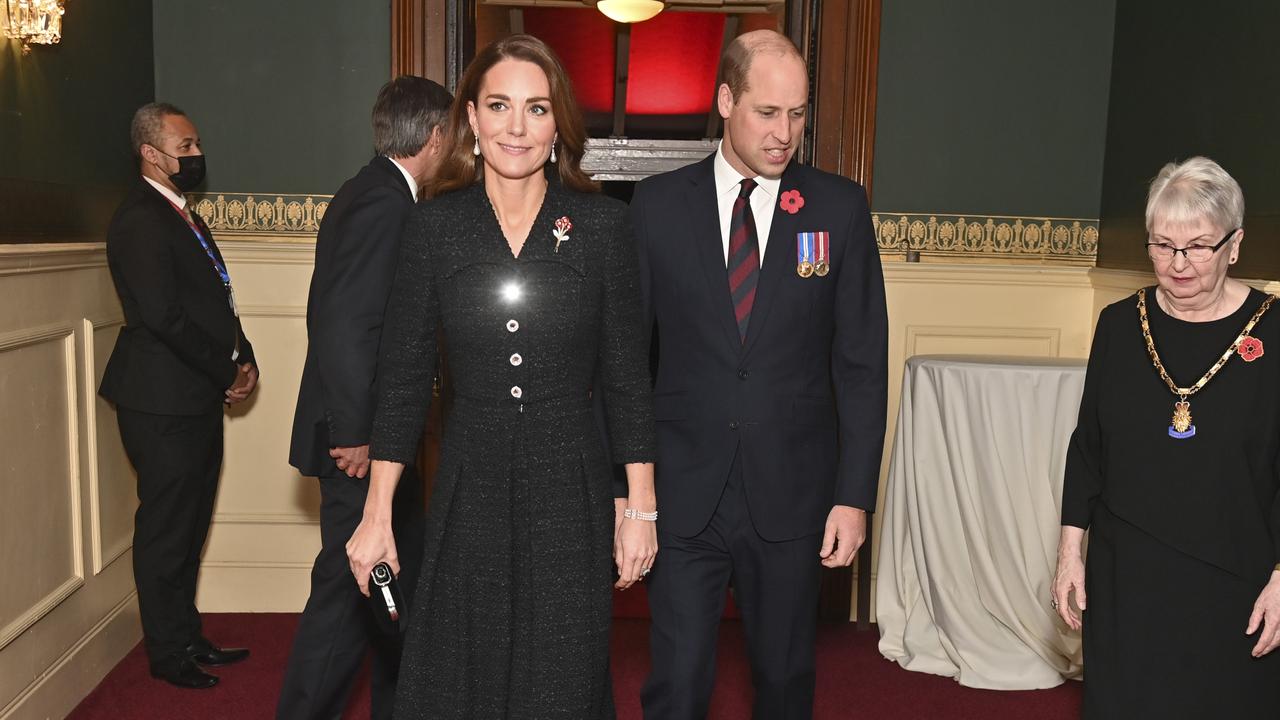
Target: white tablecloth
{"x": 971, "y": 520}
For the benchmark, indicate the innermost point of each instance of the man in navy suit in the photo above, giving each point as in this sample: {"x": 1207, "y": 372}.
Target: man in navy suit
{"x": 357, "y": 250}
{"x": 764, "y": 280}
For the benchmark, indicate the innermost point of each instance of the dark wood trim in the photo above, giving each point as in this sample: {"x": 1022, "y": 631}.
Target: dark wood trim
{"x": 847, "y": 56}
{"x": 419, "y": 39}
{"x": 848, "y": 64}
{"x": 621, "y": 74}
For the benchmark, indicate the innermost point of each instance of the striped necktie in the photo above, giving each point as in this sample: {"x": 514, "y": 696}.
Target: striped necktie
{"x": 744, "y": 257}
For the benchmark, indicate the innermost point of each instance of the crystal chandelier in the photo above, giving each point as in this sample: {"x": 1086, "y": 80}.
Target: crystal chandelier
{"x": 33, "y": 21}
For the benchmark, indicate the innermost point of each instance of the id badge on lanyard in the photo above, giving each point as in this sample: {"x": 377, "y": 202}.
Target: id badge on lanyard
{"x": 217, "y": 266}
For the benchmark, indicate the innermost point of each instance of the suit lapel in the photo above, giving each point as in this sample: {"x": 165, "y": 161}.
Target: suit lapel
{"x": 779, "y": 260}
{"x": 705, "y": 226}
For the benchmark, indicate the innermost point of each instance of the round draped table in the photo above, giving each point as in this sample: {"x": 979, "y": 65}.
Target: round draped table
{"x": 970, "y": 521}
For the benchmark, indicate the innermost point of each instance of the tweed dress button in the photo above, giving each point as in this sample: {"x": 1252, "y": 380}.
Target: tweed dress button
{"x": 516, "y": 392}
{"x": 516, "y": 359}
{"x": 512, "y": 325}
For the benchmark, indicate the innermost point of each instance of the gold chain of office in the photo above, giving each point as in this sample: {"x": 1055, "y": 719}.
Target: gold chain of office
{"x": 1182, "y": 408}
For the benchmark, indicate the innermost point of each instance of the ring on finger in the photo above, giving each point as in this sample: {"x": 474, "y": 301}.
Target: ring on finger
{"x": 1053, "y": 603}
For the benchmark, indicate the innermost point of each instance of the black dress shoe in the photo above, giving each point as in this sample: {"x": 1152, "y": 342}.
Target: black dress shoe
{"x": 183, "y": 673}
{"x": 206, "y": 654}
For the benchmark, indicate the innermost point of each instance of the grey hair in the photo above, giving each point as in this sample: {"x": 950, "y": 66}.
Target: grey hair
{"x": 1195, "y": 189}
{"x": 407, "y": 111}
{"x": 148, "y": 125}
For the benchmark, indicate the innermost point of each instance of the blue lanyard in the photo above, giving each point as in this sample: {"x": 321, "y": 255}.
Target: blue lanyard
{"x": 217, "y": 266}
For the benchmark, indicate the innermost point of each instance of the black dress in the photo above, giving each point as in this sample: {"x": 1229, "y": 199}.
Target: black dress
{"x": 1184, "y": 533}
{"x": 512, "y": 613}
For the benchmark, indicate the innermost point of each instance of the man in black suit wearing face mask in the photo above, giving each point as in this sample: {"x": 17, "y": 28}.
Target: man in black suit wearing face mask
{"x": 181, "y": 357}
{"x": 356, "y": 255}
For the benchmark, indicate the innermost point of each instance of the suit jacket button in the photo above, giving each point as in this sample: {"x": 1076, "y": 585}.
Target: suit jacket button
{"x": 743, "y": 374}
{"x": 733, "y": 425}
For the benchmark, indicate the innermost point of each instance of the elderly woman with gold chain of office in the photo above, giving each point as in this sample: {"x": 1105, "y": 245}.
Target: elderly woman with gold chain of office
{"x": 1174, "y": 470}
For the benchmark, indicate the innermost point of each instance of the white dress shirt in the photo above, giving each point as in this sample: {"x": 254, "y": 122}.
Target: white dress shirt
{"x": 763, "y": 199}
{"x": 408, "y": 177}
{"x": 168, "y": 194}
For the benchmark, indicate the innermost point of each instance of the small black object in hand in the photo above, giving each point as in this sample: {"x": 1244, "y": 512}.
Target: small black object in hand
{"x": 387, "y": 601}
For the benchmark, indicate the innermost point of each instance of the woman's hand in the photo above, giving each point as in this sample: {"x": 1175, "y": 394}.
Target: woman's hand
{"x": 1266, "y": 614}
{"x": 619, "y": 506}
{"x": 635, "y": 545}
{"x": 371, "y": 543}
{"x": 1069, "y": 576}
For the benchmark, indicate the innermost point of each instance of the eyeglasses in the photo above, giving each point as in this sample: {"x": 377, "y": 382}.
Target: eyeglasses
{"x": 1194, "y": 253}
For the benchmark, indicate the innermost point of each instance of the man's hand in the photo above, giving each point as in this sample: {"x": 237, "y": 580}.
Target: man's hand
{"x": 354, "y": 461}
{"x": 242, "y": 388}
{"x": 846, "y": 529}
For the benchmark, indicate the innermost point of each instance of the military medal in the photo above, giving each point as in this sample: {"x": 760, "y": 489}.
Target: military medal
{"x": 1250, "y": 348}
{"x": 804, "y": 254}
{"x": 822, "y": 240}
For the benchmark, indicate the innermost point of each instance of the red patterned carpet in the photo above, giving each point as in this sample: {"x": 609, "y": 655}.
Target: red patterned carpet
{"x": 853, "y": 681}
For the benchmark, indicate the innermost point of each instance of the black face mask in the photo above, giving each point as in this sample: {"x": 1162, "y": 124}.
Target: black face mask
{"x": 190, "y": 171}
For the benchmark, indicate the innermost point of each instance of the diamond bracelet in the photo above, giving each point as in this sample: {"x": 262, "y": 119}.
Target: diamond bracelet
{"x": 633, "y": 514}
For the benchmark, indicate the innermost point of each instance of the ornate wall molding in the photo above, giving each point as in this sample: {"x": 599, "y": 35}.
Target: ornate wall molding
{"x": 1061, "y": 240}
{"x": 1068, "y": 240}
{"x": 262, "y": 214}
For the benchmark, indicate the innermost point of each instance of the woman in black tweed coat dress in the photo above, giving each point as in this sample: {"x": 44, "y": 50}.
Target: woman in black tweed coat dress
{"x": 534, "y": 280}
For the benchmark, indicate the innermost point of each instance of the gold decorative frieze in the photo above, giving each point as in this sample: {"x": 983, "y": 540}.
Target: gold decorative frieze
{"x": 266, "y": 214}
{"x": 1073, "y": 240}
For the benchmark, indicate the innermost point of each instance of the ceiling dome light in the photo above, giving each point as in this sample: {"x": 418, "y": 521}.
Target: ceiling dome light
{"x": 629, "y": 11}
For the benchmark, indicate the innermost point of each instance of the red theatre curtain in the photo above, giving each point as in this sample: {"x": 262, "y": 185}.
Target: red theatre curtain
{"x": 672, "y": 63}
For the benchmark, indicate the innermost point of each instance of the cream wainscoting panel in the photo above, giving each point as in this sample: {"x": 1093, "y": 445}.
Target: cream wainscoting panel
{"x": 113, "y": 495}
{"x": 40, "y": 497}
{"x": 265, "y": 531}
{"x": 67, "y": 608}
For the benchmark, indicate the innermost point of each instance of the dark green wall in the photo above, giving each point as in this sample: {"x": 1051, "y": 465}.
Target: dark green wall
{"x": 64, "y": 121}
{"x": 1191, "y": 79}
{"x": 281, "y": 90}
{"x": 996, "y": 107}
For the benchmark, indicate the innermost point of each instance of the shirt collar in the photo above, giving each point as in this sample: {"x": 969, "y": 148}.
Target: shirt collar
{"x": 408, "y": 177}
{"x": 728, "y": 179}
{"x": 168, "y": 194}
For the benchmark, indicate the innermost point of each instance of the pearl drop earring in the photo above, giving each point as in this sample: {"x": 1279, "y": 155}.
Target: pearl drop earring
{"x": 476, "y": 149}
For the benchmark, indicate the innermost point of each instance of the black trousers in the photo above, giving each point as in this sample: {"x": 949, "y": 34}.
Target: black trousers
{"x": 177, "y": 459}
{"x": 775, "y": 587}
{"x": 337, "y": 626}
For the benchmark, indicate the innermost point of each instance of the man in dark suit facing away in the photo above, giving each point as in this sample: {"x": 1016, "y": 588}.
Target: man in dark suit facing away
{"x": 180, "y": 357}
{"x": 356, "y": 256}
{"x": 763, "y": 278}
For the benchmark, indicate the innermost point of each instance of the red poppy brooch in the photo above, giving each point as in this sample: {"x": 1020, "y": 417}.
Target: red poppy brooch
{"x": 791, "y": 201}
{"x": 1250, "y": 348}
{"x": 561, "y": 233}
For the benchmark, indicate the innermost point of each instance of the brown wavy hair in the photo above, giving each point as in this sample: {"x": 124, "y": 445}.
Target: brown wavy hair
{"x": 459, "y": 167}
